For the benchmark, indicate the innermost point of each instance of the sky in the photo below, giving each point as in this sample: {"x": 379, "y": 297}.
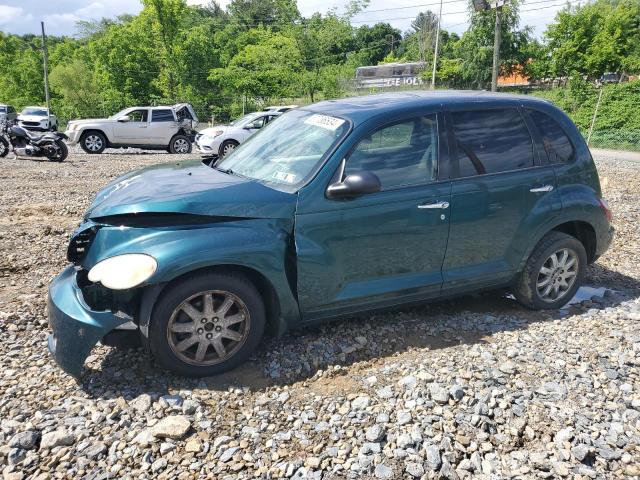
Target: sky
{"x": 60, "y": 16}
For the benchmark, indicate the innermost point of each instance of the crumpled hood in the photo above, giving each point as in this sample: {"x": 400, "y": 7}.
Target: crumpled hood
{"x": 190, "y": 188}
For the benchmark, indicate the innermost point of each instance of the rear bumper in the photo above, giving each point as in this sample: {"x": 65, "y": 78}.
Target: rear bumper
{"x": 75, "y": 327}
{"x": 604, "y": 242}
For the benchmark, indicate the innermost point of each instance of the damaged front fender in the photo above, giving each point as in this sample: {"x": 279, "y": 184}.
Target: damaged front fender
{"x": 76, "y": 328}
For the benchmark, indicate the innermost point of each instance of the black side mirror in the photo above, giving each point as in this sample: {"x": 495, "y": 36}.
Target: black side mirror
{"x": 355, "y": 184}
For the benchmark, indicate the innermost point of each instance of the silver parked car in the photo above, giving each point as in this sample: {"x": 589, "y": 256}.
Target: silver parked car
{"x": 223, "y": 139}
{"x": 170, "y": 128}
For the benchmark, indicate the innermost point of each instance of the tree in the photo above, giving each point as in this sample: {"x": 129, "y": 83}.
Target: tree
{"x": 376, "y": 42}
{"x": 596, "y": 38}
{"x": 168, "y": 15}
{"x": 322, "y": 41}
{"x": 475, "y": 48}
{"x": 269, "y": 69}
{"x": 274, "y": 13}
{"x": 74, "y": 83}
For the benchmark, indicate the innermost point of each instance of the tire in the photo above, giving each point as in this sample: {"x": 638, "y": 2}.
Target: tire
{"x": 227, "y": 147}
{"x": 176, "y": 338}
{"x": 180, "y": 144}
{"x": 93, "y": 142}
{"x": 4, "y": 148}
{"x": 533, "y": 282}
{"x": 64, "y": 152}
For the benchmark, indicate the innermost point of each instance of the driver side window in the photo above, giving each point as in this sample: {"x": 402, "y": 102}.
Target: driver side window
{"x": 257, "y": 123}
{"x": 401, "y": 154}
{"x": 138, "y": 116}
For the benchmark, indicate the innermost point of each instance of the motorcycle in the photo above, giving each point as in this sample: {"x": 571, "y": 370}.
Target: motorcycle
{"x": 28, "y": 144}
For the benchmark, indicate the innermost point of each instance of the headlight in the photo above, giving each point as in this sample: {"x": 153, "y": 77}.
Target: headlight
{"x": 123, "y": 271}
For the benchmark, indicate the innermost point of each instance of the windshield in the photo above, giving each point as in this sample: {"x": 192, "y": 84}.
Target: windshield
{"x": 34, "y": 111}
{"x": 288, "y": 149}
{"x": 121, "y": 113}
{"x": 242, "y": 120}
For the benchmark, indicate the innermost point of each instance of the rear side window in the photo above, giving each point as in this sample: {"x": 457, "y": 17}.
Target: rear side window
{"x": 491, "y": 141}
{"x": 162, "y": 116}
{"x": 402, "y": 154}
{"x": 556, "y": 143}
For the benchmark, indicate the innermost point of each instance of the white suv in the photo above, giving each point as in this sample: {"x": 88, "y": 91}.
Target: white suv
{"x": 169, "y": 128}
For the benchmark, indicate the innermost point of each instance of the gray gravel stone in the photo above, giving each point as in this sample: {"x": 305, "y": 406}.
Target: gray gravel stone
{"x": 25, "y": 440}
{"x": 55, "y": 439}
{"x": 374, "y": 433}
{"x": 382, "y": 471}
{"x": 174, "y": 426}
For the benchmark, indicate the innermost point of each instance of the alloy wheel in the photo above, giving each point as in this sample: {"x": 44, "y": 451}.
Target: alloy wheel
{"x": 93, "y": 143}
{"x": 557, "y": 275}
{"x": 181, "y": 145}
{"x": 208, "y": 327}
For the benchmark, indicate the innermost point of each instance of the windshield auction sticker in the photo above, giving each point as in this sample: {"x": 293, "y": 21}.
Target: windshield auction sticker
{"x": 285, "y": 177}
{"x": 324, "y": 121}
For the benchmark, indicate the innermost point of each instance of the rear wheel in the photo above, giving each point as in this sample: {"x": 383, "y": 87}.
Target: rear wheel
{"x": 180, "y": 144}
{"x": 93, "y": 142}
{"x": 207, "y": 324}
{"x": 553, "y": 273}
{"x": 60, "y": 153}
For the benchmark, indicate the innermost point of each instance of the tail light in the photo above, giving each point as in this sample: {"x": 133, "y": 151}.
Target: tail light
{"x": 606, "y": 209}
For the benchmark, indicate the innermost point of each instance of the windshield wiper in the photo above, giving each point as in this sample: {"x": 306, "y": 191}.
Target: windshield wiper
{"x": 228, "y": 171}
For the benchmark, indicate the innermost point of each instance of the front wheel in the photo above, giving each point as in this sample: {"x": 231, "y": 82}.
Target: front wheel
{"x": 4, "y": 147}
{"x": 180, "y": 144}
{"x": 553, "y": 273}
{"x": 93, "y": 142}
{"x": 206, "y": 324}
{"x": 227, "y": 147}
{"x": 61, "y": 152}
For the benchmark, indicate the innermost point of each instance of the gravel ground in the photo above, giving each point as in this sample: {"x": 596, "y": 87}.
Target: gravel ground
{"x": 472, "y": 388}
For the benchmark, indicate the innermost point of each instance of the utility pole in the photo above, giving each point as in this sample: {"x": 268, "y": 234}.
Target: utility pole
{"x": 435, "y": 53}
{"x": 45, "y": 56}
{"x": 496, "y": 51}
{"x": 595, "y": 114}
{"x": 392, "y": 42}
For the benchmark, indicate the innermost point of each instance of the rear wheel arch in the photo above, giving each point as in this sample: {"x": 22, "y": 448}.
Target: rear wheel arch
{"x": 583, "y": 232}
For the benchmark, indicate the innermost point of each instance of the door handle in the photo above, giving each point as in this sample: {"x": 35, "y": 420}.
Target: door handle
{"x": 442, "y": 205}
{"x": 545, "y": 188}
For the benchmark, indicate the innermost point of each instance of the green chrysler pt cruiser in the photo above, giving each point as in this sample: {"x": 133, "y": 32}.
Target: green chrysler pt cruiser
{"x": 340, "y": 207}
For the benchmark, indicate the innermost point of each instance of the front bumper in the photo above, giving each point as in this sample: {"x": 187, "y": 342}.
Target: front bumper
{"x": 76, "y": 328}
{"x": 73, "y": 135}
{"x": 208, "y": 146}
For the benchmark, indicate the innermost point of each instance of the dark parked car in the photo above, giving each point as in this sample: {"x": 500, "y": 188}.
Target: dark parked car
{"x": 336, "y": 208}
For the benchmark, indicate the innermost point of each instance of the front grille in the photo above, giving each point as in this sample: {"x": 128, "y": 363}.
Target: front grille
{"x": 31, "y": 124}
{"x": 79, "y": 245}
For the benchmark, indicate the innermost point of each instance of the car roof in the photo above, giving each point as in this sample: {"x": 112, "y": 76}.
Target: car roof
{"x": 359, "y": 109}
